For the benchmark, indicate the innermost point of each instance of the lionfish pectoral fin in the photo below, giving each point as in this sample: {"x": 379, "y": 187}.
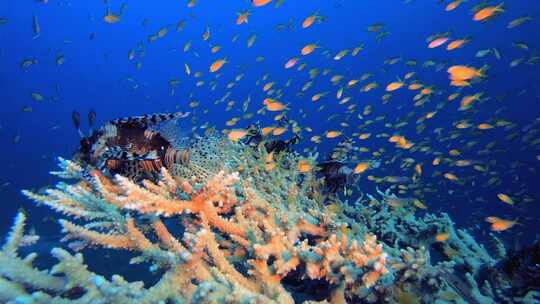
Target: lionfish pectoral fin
{"x": 117, "y": 153}
{"x": 122, "y": 154}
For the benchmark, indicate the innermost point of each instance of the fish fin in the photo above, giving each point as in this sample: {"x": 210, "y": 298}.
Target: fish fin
{"x": 149, "y": 120}
{"x": 121, "y": 154}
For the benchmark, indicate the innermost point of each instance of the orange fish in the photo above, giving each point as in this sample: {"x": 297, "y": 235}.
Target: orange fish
{"x": 216, "y": 65}
{"x": 364, "y": 135}
{"x": 438, "y": 42}
{"x": 453, "y": 96}
{"x": 418, "y": 169}
{"x": 450, "y": 176}
{"x": 400, "y": 141}
{"x": 215, "y": 49}
{"x": 370, "y": 86}
{"x": 308, "y": 49}
{"x": 275, "y": 106}
{"x": 463, "y": 72}
{"x": 467, "y": 101}
{"x": 498, "y": 224}
{"x": 426, "y": 91}
{"x": 429, "y": 115}
{"x": 488, "y": 12}
{"x": 456, "y": 44}
{"x": 278, "y": 131}
{"x": 442, "y": 237}
{"x": 266, "y": 130}
{"x": 236, "y": 135}
{"x": 291, "y": 62}
{"x": 394, "y": 86}
{"x": 309, "y": 20}
{"x": 463, "y": 163}
{"x": 110, "y": 18}
{"x": 415, "y": 86}
{"x": 453, "y": 5}
{"x": 206, "y": 34}
{"x": 360, "y": 168}
{"x": 317, "y": 96}
{"x": 304, "y": 166}
{"x": 484, "y": 126}
{"x": 260, "y": 2}
{"x": 333, "y": 134}
{"x": 242, "y": 18}
{"x": 268, "y": 86}
{"x": 352, "y": 82}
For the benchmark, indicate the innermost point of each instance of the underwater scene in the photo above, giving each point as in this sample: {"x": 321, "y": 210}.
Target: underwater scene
{"x": 270, "y": 151}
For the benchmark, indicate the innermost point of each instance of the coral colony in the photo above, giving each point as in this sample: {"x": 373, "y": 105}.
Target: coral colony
{"x": 226, "y": 222}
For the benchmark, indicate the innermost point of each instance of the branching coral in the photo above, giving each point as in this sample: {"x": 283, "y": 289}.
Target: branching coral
{"x": 239, "y": 240}
{"x": 244, "y": 231}
{"x": 465, "y": 268}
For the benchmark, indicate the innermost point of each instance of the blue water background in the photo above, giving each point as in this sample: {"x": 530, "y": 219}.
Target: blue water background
{"x": 95, "y": 72}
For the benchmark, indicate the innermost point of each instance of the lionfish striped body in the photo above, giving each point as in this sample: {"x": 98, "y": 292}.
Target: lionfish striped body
{"x": 132, "y": 146}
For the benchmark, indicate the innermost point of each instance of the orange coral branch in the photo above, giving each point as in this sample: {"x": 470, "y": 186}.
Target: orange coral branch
{"x": 115, "y": 241}
{"x": 145, "y": 201}
{"x": 222, "y": 263}
{"x": 137, "y": 237}
{"x": 166, "y": 238}
{"x": 221, "y": 233}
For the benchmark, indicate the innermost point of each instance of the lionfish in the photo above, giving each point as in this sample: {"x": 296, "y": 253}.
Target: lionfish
{"x": 335, "y": 170}
{"x": 132, "y": 146}
{"x": 254, "y": 137}
{"x": 337, "y": 175}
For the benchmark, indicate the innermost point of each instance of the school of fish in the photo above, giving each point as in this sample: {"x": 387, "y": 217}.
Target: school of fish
{"x": 397, "y": 113}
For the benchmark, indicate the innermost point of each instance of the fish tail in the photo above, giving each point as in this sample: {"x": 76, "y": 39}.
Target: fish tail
{"x": 483, "y": 70}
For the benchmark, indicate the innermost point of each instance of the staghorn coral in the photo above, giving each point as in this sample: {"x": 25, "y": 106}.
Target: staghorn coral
{"x": 230, "y": 223}
{"x": 239, "y": 240}
{"x": 19, "y": 278}
{"x": 465, "y": 270}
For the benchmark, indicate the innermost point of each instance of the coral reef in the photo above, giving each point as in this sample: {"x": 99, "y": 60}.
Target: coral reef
{"x": 253, "y": 229}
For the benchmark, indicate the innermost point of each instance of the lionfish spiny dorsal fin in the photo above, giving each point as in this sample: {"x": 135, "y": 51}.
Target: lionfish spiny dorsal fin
{"x": 148, "y": 119}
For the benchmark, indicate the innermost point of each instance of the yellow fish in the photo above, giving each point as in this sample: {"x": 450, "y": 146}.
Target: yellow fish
{"x": 505, "y": 198}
